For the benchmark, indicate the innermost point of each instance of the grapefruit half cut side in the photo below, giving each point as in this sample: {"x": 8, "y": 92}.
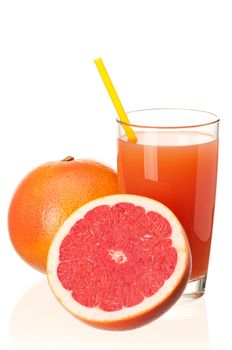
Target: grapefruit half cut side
{"x": 119, "y": 261}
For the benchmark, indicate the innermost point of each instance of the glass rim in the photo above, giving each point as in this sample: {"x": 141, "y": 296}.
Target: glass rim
{"x": 215, "y": 119}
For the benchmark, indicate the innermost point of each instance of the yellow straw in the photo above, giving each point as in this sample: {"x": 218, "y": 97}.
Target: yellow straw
{"x": 115, "y": 99}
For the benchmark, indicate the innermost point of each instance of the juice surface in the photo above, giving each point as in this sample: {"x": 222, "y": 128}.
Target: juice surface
{"x": 178, "y": 169}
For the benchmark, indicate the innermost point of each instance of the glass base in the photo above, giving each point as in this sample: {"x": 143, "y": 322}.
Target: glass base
{"x": 196, "y": 288}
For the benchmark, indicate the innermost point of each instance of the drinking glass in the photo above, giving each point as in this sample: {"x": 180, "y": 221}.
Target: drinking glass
{"x": 175, "y": 161}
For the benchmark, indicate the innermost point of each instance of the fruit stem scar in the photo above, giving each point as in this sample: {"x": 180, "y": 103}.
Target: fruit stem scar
{"x": 118, "y": 256}
{"x": 68, "y": 159}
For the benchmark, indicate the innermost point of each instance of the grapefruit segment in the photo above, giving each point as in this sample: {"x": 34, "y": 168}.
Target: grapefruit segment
{"x": 119, "y": 261}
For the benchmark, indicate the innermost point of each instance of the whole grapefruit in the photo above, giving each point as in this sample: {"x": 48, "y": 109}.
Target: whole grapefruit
{"x": 47, "y": 196}
{"x": 119, "y": 261}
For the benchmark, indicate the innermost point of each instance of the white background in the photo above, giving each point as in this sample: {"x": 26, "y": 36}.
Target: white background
{"x": 52, "y": 103}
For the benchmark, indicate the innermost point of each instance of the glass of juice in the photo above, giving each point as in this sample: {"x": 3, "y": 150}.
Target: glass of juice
{"x": 175, "y": 161}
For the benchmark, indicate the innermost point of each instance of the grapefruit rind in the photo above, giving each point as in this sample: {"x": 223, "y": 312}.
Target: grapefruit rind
{"x": 166, "y": 295}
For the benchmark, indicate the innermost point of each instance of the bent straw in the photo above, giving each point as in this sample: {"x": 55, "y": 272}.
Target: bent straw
{"x": 115, "y": 99}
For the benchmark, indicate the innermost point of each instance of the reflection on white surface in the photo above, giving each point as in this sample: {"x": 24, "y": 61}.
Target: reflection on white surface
{"x": 39, "y": 322}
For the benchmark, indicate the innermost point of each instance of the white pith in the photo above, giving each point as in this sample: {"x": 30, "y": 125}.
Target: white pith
{"x": 118, "y": 256}
{"x": 179, "y": 242}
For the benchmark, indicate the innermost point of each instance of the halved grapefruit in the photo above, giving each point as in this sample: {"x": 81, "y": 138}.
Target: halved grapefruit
{"x": 119, "y": 261}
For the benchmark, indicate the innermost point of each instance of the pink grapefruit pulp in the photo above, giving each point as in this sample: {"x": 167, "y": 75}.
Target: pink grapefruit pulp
{"x": 119, "y": 261}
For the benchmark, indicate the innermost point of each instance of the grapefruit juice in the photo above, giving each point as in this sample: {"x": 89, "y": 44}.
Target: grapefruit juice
{"x": 179, "y": 169}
